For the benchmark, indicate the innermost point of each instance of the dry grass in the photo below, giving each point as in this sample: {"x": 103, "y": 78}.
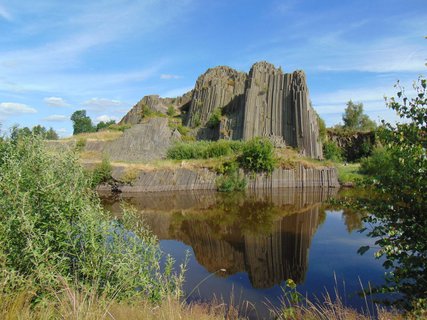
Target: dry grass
{"x": 104, "y": 135}
{"x": 71, "y": 305}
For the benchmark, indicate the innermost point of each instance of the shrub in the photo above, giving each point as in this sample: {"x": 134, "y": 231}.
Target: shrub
{"x": 171, "y": 111}
{"x": 102, "y": 172}
{"x": 80, "y": 144}
{"x": 377, "y": 163}
{"x": 230, "y": 179}
{"x": 203, "y": 149}
{"x": 119, "y": 127}
{"x": 53, "y": 229}
{"x": 331, "y": 151}
{"x": 257, "y": 156}
{"x": 215, "y": 118}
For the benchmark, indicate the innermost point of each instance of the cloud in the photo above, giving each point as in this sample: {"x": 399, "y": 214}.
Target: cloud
{"x": 56, "y": 118}
{"x": 5, "y": 14}
{"x": 100, "y": 104}
{"x": 106, "y": 118}
{"x": 55, "y": 102}
{"x": 169, "y": 76}
{"x": 12, "y": 108}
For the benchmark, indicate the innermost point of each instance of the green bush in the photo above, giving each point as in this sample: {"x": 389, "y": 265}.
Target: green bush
{"x": 203, "y": 149}
{"x": 257, "y": 156}
{"x": 119, "y": 127}
{"x": 102, "y": 172}
{"x": 379, "y": 162}
{"x": 331, "y": 151}
{"x": 80, "y": 144}
{"x": 53, "y": 229}
{"x": 171, "y": 111}
{"x": 215, "y": 118}
{"x": 231, "y": 182}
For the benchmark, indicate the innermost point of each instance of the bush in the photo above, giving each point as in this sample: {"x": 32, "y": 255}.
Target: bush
{"x": 171, "y": 111}
{"x": 102, "y": 172}
{"x": 53, "y": 229}
{"x": 119, "y": 127}
{"x": 80, "y": 144}
{"x": 331, "y": 151}
{"x": 377, "y": 163}
{"x": 203, "y": 149}
{"x": 215, "y": 118}
{"x": 257, "y": 156}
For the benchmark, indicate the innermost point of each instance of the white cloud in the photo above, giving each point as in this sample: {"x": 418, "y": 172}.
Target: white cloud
{"x": 12, "y": 108}
{"x": 56, "y": 118}
{"x": 61, "y": 130}
{"x": 100, "y": 104}
{"x": 55, "y": 102}
{"x": 169, "y": 76}
{"x": 5, "y": 14}
{"x": 106, "y": 118}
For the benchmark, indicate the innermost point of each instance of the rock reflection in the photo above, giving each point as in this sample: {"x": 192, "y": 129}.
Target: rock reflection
{"x": 266, "y": 235}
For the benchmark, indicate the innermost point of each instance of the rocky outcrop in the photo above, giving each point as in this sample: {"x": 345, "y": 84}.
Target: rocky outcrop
{"x": 154, "y": 103}
{"x": 142, "y": 142}
{"x": 203, "y": 179}
{"x": 266, "y": 102}
{"x": 355, "y": 145}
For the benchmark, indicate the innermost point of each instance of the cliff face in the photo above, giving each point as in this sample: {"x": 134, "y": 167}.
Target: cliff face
{"x": 266, "y": 102}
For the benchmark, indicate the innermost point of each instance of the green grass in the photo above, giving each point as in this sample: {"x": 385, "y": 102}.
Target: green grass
{"x": 349, "y": 173}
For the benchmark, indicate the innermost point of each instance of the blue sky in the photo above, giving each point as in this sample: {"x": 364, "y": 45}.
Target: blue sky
{"x": 104, "y": 56}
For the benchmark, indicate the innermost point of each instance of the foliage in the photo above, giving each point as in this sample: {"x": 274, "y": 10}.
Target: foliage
{"x": 53, "y": 229}
{"x": 119, "y": 127}
{"x": 399, "y": 213}
{"x": 171, "y": 111}
{"x": 80, "y": 144}
{"x": 231, "y": 180}
{"x": 17, "y": 133}
{"x": 355, "y": 119}
{"x": 215, "y": 118}
{"x": 377, "y": 163}
{"x": 322, "y": 128}
{"x": 81, "y": 122}
{"x": 331, "y": 151}
{"x": 203, "y": 149}
{"x": 102, "y": 172}
{"x": 257, "y": 156}
{"x": 105, "y": 125}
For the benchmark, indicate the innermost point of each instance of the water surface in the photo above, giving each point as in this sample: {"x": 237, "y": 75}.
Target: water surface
{"x": 243, "y": 247}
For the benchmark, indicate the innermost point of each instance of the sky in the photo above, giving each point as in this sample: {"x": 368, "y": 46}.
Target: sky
{"x": 103, "y": 56}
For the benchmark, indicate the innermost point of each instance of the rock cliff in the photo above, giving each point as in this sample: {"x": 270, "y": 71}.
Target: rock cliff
{"x": 265, "y": 102}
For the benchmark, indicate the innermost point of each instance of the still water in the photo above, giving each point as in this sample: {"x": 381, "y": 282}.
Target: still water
{"x": 243, "y": 247}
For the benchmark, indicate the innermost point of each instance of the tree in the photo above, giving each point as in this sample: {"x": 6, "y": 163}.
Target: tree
{"x": 355, "y": 119}
{"x": 81, "y": 122}
{"x": 103, "y": 125}
{"x": 39, "y": 130}
{"x": 51, "y": 134}
{"x": 398, "y": 216}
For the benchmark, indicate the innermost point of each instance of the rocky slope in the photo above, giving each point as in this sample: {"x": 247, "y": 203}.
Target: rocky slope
{"x": 265, "y": 102}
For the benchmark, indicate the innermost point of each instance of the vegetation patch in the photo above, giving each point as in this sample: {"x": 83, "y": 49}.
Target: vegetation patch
{"x": 203, "y": 149}
{"x": 257, "y": 156}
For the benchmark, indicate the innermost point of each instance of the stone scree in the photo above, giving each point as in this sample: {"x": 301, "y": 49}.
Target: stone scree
{"x": 266, "y": 102}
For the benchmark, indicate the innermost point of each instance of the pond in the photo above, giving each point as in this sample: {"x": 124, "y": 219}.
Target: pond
{"x": 243, "y": 247}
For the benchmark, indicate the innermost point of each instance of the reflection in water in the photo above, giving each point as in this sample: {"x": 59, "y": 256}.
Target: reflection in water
{"x": 266, "y": 235}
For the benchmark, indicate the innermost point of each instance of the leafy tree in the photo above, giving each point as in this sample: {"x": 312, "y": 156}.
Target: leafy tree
{"x": 355, "y": 119}
{"x": 39, "y": 130}
{"x": 399, "y": 212}
{"x": 81, "y": 122}
{"x": 51, "y": 134}
{"x": 104, "y": 125}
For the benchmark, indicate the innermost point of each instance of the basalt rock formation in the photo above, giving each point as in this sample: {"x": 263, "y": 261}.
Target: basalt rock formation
{"x": 266, "y": 102}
